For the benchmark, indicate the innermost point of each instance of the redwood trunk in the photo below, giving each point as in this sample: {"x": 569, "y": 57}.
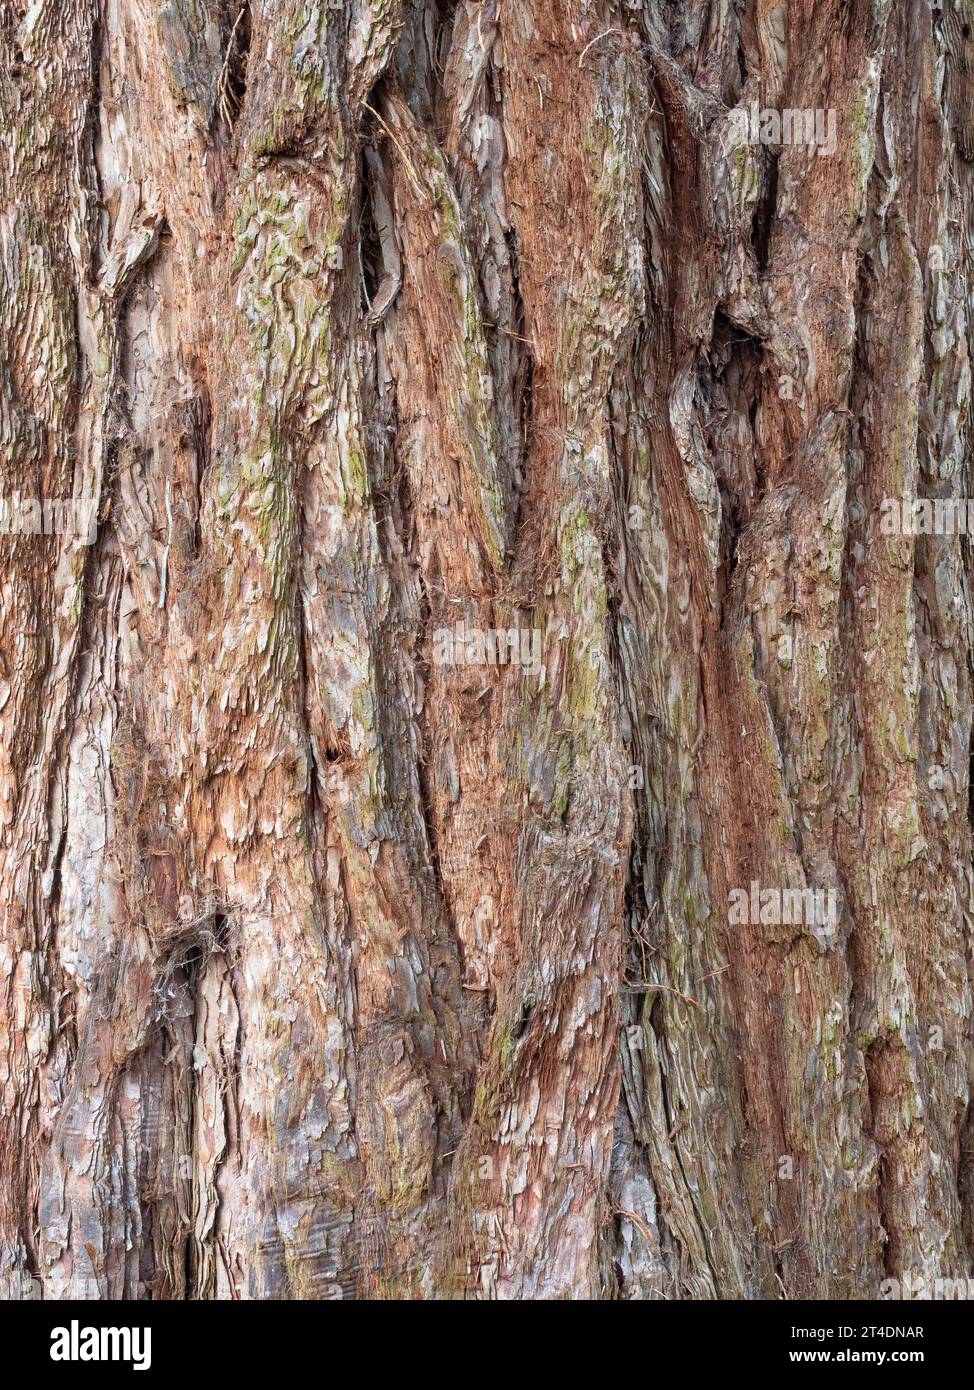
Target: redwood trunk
{"x": 341, "y": 957}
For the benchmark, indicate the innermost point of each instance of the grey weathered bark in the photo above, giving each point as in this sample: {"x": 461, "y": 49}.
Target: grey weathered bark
{"x": 331, "y": 968}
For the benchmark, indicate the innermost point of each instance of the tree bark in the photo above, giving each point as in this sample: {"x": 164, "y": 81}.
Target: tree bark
{"x": 341, "y": 958}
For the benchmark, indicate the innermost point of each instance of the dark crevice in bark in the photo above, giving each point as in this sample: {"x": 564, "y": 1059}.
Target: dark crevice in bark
{"x": 523, "y": 385}
{"x": 444, "y": 23}
{"x": 741, "y": 59}
{"x": 232, "y": 84}
{"x": 96, "y": 216}
{"x": 380, "y": 261}
{"x": 762, "y": 225}
{"x": 318, "y": 774}
{"x": 369, "y": 248}
{"x": 421, "y": 56}
{"x": 965, "y": 1180}
{"x": 203, "y": 442}
{"x": 426, "y": 806}
{"x": 610, "y": 549}
{"x": 520, "y": 1026}
{"x": 15, "y": 63}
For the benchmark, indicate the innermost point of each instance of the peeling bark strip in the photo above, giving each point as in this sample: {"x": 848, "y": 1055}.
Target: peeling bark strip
{"x": 485, "y": 793}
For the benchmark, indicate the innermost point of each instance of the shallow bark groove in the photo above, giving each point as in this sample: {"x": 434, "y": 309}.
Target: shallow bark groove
{"x": 341, "y": 958}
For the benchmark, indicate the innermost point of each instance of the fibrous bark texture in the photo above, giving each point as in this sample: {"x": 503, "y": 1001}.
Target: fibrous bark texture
{"x": 485, "y": 433}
